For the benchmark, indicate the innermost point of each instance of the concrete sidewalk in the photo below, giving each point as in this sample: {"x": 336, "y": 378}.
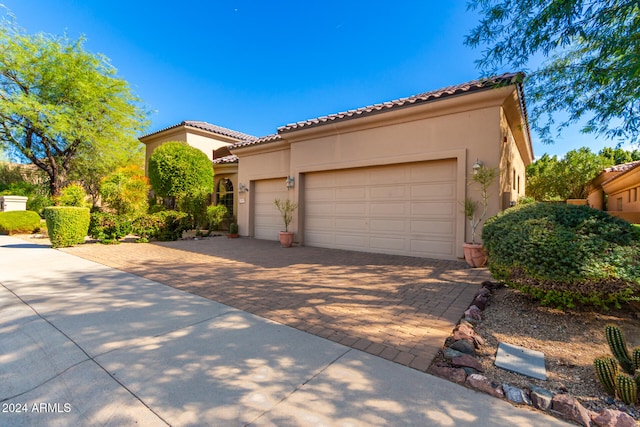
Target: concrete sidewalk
{"x": 84, "y": 344}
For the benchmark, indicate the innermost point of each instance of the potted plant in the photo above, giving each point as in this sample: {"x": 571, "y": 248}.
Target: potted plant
{"x": 286, "y": 208}
{"x": 233, "y": 231}
{"x": 482, "y": 178}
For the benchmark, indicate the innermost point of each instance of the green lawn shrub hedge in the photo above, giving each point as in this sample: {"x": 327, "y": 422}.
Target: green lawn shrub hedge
{"x": 67, "y": 225}
{"x": 16, "y": 222}
{"x": 163, "y": 225}
{"x": 564, "y": 255}
{"x": 108, "y": 227}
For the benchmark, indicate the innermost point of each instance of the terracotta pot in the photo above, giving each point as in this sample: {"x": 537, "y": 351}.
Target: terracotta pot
{"x": 286, "y": 239}
{"x": 474, "y": 254}
{"x": 232, "y": 236}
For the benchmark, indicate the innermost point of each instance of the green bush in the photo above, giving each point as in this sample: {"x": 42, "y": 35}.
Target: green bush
{"x": 108, "y": 227}
{"x": 16, "y": 222}
{"x": 177, "y": 169}
{"x": 67, "y": 225}
{"x": 563, "y": 254}
{"x": 164, "y": 225}
{"x": 72, "y": 195}
{"x": 125, "y": 191}
{"x": 215, "y": 215}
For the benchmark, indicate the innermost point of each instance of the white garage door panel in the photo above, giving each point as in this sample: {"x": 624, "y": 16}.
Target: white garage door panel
{"x": 267, "y": 220}
{"x": 433, "y": 227}
{"x": 407, "y": 209}
{"x": 433, "y": 191}
{"x": 433, "y": 209}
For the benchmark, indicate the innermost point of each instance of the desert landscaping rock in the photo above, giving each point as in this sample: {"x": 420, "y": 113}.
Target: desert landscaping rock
{"x": 473, "y": 314}
{"x": 484, "y": 384}
{"x": 456, "y": 375}
{"x": 611, "y": 418}
{"x": 541, "y": 398}
{"x": 460, "y": 335}
{"x": 464, "y": 346}
{"x": 450, "y": 353}
{"x": 480, "y": 301}
{"x": 468, "y": 361}
{"x": 570, "y": 409}
{"x": 515, "y": 394}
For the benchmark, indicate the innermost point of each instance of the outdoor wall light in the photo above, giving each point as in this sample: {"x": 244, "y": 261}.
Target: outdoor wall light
{"x": 291, "y": 182}
{"x": 242, "y": 188}
{"x": 477, "y": 166}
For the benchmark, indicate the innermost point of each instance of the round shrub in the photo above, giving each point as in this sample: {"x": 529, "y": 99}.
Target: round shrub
{"x": 563, "y": 254}
{"x": 178, "y": 170}
{"x": 16, "y": 222}
{"x": 67, "y": 225}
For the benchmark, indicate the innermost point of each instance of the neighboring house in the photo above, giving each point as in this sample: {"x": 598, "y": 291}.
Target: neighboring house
{"x": 214, "y": 142}
{"x": 391, "y": 177}
{"x": 388, "y": 178}
{"x": 616, "y": 189}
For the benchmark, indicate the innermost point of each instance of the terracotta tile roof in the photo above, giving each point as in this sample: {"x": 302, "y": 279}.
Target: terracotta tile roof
{"x": 209, "y": 128}
{"x": 504, "y": 79}
{"x": 622, "y": 167}
{"x": 262, "y": 140}
{"x": 232, "y": 158}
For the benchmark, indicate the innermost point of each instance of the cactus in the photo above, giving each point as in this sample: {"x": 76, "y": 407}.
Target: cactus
{"x": 626, "y": 389}
{"x": 636, "y": 358}
{"x": 618, "y": 347}
{"x": 606, "y": 370}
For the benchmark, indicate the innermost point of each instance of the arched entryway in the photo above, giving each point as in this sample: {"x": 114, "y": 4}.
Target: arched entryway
{"x": 224, "y": 195}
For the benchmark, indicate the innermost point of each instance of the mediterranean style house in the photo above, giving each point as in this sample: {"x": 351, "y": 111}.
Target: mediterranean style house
{"x": 616, "y": 190}
{"x": 388, "y": 178}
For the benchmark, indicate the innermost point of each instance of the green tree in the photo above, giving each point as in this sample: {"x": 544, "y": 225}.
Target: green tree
{"x": 541, "y": 178}
{"x": 182, "y": 174}
{"x": 550, "y": 178}
{"x": 591, "y": 52}
{"x": 125, "y": 191}
{"x": 59, "y": 100}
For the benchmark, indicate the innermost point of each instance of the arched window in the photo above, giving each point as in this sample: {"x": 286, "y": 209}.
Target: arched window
{"x": 224, "y": 195}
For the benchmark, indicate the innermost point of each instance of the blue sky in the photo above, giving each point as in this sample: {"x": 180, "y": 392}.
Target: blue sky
{"x": 253, "y": 65}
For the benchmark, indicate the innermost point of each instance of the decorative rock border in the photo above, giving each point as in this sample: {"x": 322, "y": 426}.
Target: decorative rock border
{"x": 463, "y": 367}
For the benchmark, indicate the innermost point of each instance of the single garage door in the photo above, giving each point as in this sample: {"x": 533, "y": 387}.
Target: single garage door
{"x": 267, "y": 220}
{"x": 405, "y": 209}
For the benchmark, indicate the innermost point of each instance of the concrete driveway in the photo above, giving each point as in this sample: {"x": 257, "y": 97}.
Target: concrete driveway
{"x": 396, "y": 307}
{"x": 84, "y": 344}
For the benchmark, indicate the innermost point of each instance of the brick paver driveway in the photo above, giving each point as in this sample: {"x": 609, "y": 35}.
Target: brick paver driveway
{"x": 396, "y": 307}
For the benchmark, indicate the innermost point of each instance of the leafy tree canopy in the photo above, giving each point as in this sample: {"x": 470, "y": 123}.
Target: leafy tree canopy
{"x": 179, "y": 170}
{"x": 550, "y": 178}
{"x": 591, "y": 67}
{"x": 57, "y": 100}
{"x": 125, "y": 191}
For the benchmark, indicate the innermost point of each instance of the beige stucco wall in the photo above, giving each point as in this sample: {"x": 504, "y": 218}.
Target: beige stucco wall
{"x": 465, "y": 128}
{"x": 624, "y": 192}
{"x": 512, "y": 165}
{"x": 270, "y": 160}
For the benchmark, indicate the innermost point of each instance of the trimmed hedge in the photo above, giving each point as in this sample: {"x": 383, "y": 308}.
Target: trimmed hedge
{"x": 564, "y": 255}
{"x": 108, "y": 227}
{"x": 16, "y": 222}
{"x": 163, "y": 225}
{"x": 67, "y": 225}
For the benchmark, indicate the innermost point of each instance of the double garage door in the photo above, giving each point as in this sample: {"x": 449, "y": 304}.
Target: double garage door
{"x": 405, "y": 209}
